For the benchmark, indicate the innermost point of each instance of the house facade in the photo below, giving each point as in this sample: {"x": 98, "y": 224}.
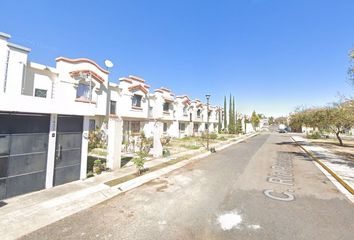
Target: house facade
{"x": 46, "y": 114}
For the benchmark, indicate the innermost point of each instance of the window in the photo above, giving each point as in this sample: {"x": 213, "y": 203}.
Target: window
{"x": 150, "y": 112}
{"x": 84, "y": 92}
{"x": 164, "y": 127}
{"x": 166, "y": 107}
{"x": 113, "y": 107}
{"x": 40, "y": 93}
{"x": 195, "y": 127}
{"x": 92, "y": 125}
{"x": 136, "y": 101}
{"x": 135, "y": 127}
{"x": 198, "y": 113}
{"x": 209, "y": 114}
{"x": 206, "y": 126}
{"x": 185, "y": 111}
{"x": 182, "y": 127}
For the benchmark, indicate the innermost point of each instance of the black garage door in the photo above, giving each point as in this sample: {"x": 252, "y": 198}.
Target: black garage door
{"x": 68, "y": 149}
{"x": 23, "y": 152}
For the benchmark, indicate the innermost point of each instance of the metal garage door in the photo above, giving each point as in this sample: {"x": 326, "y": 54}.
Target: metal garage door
{"x": 23, "y": 152}
{"x": 68, "y": 149}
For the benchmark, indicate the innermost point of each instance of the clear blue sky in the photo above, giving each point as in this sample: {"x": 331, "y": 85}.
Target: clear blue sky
{"x": 272, "y": 55}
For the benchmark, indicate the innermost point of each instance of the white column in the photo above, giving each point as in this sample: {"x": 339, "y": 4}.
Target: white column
{"x": 157, "y": 149}
{"x": 84, "y": 147}
{"x": 115, "y": 137}
{"x": 51, "y": 151}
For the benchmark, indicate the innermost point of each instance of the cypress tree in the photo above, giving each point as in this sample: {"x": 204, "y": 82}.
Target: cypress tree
{"x": 219, "y": 124}
{"x": 225, "y": 114}
{"x": 230, "y": 115}
{"x": 233, "y": 115}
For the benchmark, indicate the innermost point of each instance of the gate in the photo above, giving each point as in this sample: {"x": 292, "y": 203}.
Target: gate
{"x": 23, "y": 152}
{"x": 68, "y": 149}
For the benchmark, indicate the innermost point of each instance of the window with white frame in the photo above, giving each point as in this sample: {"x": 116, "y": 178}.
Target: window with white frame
{"x": 40, "y": 93}
{"x": 199, "y": 113}
{"x": 136, "y": 100}
{"x": 92, "y": 124}
{"x": 113, "y": 108}
{"x": 182, "y": 127}
{"x": 84, "y": 92}
{"x": 185, "y": 111}
{"x": 135, "y": 127}
{"x": 166, "y": 107}
{"x": 195, "y": 127}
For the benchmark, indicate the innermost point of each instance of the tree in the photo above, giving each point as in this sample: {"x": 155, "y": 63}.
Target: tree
{"x": 270, "y": 120}
{"x": 335, "y": 118}
{"x": 254, "y": 119}
{"x": 234, "y": 114}
{"x": 239, "y": 125}
{"x": 225, "y": 114}
{"x": 351, "y": 67}
{"x": 281, "y": 120}
{"x": 219, "y": 123}
{"x": 230, "y": 115}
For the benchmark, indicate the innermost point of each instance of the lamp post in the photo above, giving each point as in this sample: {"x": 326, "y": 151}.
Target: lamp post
{"x": 207, "y": 96}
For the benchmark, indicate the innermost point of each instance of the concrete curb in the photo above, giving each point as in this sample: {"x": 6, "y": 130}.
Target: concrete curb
{"x": 338, "y": 178}
{"x": 22, "y": 221}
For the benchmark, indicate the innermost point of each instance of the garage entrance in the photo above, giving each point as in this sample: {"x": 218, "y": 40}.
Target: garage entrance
{"x": 23, "y": 152}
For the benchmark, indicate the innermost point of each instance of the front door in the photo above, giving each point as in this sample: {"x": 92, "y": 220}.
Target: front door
{"x": 68, "y": 149}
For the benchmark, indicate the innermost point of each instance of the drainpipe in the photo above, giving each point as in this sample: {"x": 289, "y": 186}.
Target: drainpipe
{"x": 6, "y": 69}
{"x": 24, "y": 73}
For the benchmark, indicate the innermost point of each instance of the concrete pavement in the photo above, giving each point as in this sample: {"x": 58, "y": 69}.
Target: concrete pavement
{"x": 340, "y": 168}
{"x": 27, "y": 213}
{"x": 263, "y": 188}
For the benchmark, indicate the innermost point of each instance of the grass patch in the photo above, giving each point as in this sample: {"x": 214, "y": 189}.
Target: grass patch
{"x": 120, "y": 180}
{"x": 99, "y": 151}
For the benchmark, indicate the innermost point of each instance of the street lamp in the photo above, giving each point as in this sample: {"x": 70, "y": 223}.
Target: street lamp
{"x": 207, "y": 96}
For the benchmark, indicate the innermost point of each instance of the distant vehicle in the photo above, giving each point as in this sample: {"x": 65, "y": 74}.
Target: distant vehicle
{"x": 282, "y": 127}
{"x": 282, "y": 131}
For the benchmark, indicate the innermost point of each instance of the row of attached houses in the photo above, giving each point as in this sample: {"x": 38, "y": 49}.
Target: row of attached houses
{"x": 46, "y": 114}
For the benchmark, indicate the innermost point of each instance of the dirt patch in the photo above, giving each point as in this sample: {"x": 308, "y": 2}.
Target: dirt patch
{"x": 156, "y": 182}
{"x": 162, "y": 188}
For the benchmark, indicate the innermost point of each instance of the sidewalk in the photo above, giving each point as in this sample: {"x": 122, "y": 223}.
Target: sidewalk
{"x": 340, "y": 168}
{"x": 26, "y": 213}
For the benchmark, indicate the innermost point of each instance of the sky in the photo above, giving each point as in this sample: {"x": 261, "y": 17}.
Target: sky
{"x": 272, "y": 55}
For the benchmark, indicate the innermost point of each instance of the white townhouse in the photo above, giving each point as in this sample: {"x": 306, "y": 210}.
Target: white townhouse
{"x": 198, "y": 117}
{"x": 133, "y": 106}
{"x": 184, "y": 115}
{"x": 162, "y": 106}
{"x": 213, "y": 118}
{"x": 45, "y": 115}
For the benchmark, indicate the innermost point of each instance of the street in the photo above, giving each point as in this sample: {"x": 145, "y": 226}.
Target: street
{"x": 263, "y": 188}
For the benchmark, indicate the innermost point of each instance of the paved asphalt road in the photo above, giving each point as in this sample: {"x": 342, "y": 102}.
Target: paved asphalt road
{"x": 223, "y": 197}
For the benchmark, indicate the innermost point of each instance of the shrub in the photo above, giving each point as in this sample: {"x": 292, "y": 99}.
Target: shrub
{"x": 165, "y": 140}
{"x": 213, "y": 136}
{"x": 166, "y": 152}
{"x": 315, "y": 135}
{"x": 139, "y": 161}
{"x": 95, "y": 140}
